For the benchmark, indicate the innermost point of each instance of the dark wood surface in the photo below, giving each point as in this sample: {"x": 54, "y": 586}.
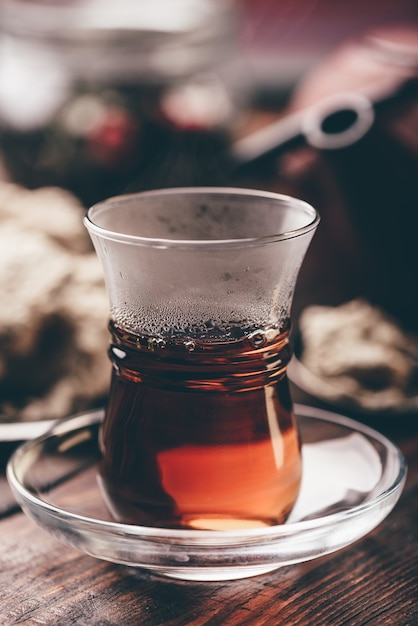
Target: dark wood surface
{"x": 374, "y": 581}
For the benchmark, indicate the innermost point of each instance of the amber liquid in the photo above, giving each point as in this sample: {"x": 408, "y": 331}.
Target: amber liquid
{"x": 200, "y": 434}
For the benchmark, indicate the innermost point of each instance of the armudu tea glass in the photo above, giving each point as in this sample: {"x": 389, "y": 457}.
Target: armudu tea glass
{"x": 199, "y": 430}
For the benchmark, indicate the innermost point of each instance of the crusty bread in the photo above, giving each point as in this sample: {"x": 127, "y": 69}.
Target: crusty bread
{"x": 361, "y": 353}
{"x": 54, "y": 309}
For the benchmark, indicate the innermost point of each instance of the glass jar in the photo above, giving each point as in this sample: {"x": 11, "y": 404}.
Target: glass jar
{"x": 102, "y": 98}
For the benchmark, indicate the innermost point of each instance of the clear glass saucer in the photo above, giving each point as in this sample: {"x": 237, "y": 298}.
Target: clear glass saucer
{"x": 352, "y": 478}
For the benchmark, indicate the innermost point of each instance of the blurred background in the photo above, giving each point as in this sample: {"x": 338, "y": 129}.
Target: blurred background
{"x": 89, "y": 90}
{"x": 286, "y": 39}
{"x": 316, "y": 98}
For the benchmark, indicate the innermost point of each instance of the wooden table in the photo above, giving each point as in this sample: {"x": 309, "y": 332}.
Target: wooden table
{"x": 374, "y": 581}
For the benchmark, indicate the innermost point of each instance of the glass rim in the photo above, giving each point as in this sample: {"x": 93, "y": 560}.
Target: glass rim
{"x": 162, "y": 242}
